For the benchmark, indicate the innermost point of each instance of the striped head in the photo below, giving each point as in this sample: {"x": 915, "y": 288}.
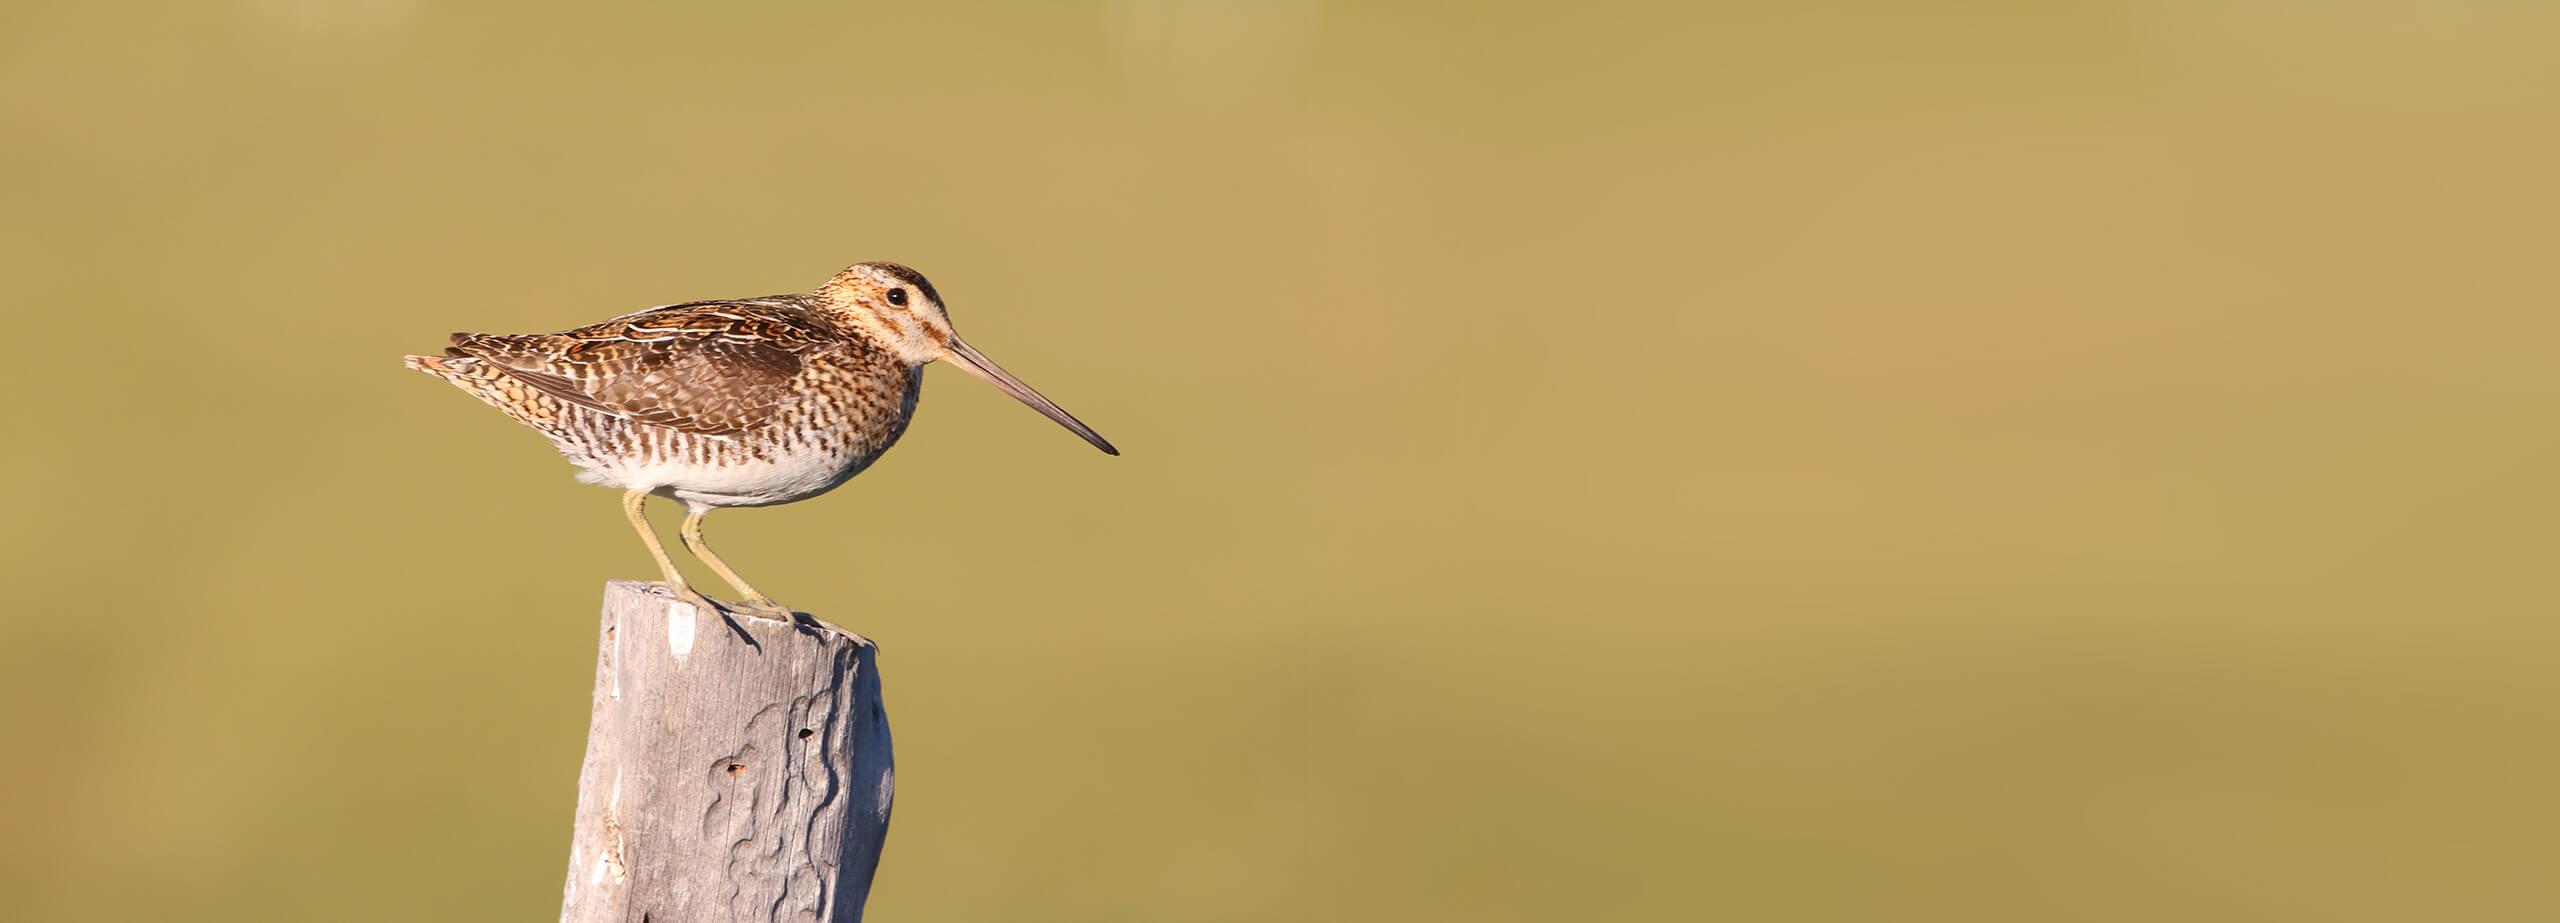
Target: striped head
{"x": 896, "y": 308}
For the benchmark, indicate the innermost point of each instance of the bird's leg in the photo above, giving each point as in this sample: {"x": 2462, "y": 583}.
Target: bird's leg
{"x": 633, "y": 503}
{"x": 692, "y": 533}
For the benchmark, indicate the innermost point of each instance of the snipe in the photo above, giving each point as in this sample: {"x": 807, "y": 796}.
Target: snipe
{"x": 714, "y": 404}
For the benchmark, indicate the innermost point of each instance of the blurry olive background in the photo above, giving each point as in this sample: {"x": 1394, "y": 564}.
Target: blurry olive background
{"x": 2001, "y": 461}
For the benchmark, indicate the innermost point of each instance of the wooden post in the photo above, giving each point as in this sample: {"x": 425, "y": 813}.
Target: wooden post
{"x": 738, "y": 768}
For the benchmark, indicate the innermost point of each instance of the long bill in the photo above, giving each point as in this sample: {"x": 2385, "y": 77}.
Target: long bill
{"x": 968, "y": 358}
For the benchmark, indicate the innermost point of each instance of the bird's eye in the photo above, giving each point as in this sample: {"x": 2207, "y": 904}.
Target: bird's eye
{"x": 898, "y": 296}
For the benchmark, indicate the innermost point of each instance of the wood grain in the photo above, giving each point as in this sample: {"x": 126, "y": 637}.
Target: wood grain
{"x": 737, "y": 768}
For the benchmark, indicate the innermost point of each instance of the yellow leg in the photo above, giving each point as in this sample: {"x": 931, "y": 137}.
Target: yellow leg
{"x": 634, "y": 504}
{"x": 692, "y": 533}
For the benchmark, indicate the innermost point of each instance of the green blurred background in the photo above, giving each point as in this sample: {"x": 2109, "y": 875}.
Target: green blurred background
{"x": 1760, "y": 461}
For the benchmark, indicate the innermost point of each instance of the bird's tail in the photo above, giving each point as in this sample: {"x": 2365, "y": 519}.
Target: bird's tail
{"x": 442, "y": 366}
{"x": 484, "y": 380}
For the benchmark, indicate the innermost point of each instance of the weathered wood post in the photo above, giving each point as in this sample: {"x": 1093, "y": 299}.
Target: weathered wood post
{"x": 737, "y": 768}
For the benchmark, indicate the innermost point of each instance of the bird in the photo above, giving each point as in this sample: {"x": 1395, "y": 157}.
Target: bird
{"x": 734, "y": 403}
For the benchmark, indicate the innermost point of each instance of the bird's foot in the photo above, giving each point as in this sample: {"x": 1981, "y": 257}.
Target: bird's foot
{"x": 763, "y": 608}
{"x": 766, "y": 609}
{"x": 824, "y": 625}
{"x": 691, "y": 597}
{"x": 805, "y": 620}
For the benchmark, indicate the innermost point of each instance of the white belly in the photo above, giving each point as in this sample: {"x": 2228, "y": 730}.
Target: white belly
{"x": 748, "y": 482}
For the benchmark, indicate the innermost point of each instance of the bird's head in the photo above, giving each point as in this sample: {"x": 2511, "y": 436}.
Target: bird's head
{"x": 897, "y": 309}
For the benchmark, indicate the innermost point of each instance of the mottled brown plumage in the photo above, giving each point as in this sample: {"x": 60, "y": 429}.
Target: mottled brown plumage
{"x": 749, "y": 402}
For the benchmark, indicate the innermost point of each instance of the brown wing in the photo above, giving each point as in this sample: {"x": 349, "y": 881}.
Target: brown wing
{"x": 715, "y": 370}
